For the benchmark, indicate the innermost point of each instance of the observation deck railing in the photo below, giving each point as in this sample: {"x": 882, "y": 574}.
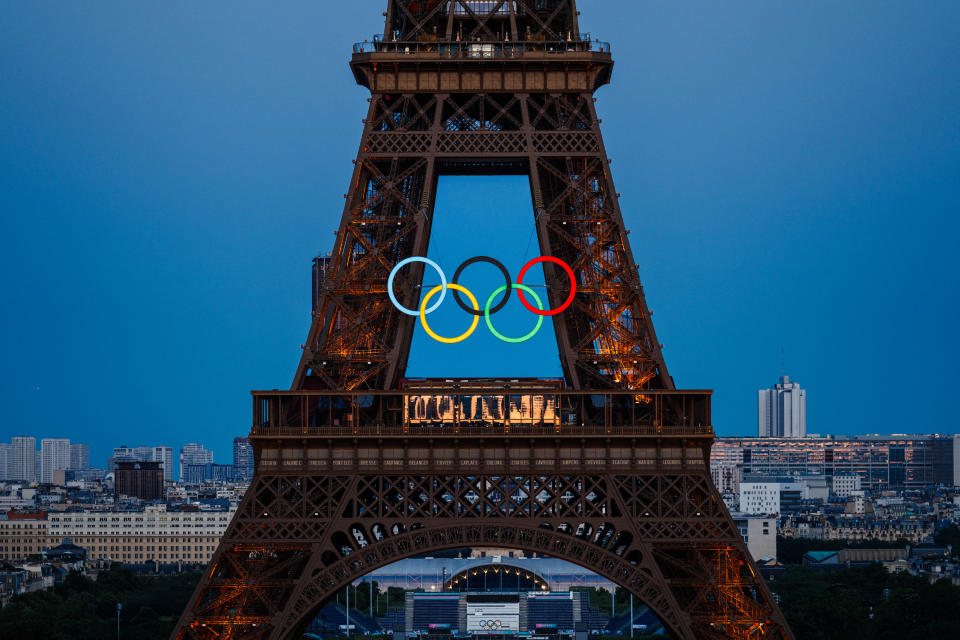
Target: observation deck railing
{"x": 480, "y": 49}
{"x": 466, "y": 412}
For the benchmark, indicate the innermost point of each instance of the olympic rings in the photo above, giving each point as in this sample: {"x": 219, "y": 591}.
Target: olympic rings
{"x": 476, "y": 311}
{"x": 402, "y": 263}
{"x": 486, "y": 313}
{"x": 423, "y": 314}
{"x": 573, "y": 285}
{"x": 498, "y": 265}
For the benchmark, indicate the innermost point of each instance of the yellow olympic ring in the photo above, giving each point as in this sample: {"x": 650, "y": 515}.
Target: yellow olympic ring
{"x": 423, "y": 316}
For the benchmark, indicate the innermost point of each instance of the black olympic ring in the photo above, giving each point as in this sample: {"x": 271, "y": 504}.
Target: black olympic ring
{"x": 498, "y": 265}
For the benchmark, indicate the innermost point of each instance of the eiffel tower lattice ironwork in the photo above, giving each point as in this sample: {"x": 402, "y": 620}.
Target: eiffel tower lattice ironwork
{"x": 355, "y": 471}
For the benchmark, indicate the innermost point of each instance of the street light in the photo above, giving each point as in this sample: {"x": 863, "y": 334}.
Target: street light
{"x": 119, "y": 608}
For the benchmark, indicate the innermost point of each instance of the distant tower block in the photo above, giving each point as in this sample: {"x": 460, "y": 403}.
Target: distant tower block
{"x": 782, "y": 411}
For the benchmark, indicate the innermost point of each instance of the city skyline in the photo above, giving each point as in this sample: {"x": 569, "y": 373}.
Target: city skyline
{"x": 164, "y": 225}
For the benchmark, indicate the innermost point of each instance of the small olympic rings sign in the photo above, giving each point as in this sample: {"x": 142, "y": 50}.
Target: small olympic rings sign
{"x": 490, "y": 625}
{"x": 474, "y": 309}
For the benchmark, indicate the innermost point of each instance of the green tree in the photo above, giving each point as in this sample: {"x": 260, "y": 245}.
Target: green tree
{"x": 867, "y": 603}
{"x": 83, "y": 609}
{"x": 949, "y": 536}
{"x": 395, "y": 598}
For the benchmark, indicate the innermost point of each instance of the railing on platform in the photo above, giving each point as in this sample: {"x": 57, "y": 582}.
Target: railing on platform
{"x": 480, "y": 49}
{"x": 443, "y": 412}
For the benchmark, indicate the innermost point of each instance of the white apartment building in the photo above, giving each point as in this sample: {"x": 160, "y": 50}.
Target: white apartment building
{"x": 164, "y": 455}
{"x": 24, "y": 459}
{"x": 760, "y": 534}
{"x": 79, "y": 456}
{"x": 846, "y": 486}
{"x": 153, "y": 534}
{"x": 54, "y": 456}
{"x": 6, "y": 461}
{"x": 193, "y": 453}
{"x": 760, "y": 498}
{"x": 726, "y": 477}
{"x": 782, "y": 411}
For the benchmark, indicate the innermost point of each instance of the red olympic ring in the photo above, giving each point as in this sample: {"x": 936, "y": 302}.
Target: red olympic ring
{"x": 573, "y": 286}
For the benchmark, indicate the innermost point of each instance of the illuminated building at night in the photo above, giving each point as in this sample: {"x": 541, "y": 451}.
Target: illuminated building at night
{"x": 890, "y": 462}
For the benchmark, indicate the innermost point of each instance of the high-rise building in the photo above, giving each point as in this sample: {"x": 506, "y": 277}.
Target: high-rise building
{"x": 143, "y": 454}
{"x": 160, "y": 454}
{"x": 36, "y": 465}
{"x": 121, "y": 454}
{"x": 23, "y": 464}
{"x": 165, "y": 456}
{"x": 142, "y": 480}
{"x": 242, "y": 459}
{"x": 782, "y": 411}
{"x": 79, "y": 457}
{"x": 6, "y": 459}
{"x": 54, "y": 456}
{"x": 193, "y": 453}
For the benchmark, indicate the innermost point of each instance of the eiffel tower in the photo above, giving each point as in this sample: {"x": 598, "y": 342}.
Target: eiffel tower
{"x": 357, "y": 468}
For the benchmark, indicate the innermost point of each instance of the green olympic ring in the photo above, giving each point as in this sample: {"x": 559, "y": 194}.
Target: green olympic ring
{"x": 486, "y": 313}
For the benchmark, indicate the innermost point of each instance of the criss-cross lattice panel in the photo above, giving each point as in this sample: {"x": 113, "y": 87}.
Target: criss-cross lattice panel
{"x": 401, "y": 112}
{"x": 398, "y": 143}
{"x": 565, "y": 142}
{"x": 467, "y": 144}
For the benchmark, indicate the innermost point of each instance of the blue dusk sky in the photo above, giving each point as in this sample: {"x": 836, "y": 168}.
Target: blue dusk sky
{"x": 790, "y": 174}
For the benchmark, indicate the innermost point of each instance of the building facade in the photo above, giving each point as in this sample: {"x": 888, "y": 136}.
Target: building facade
{"x": 726, "y": 477}
{"x": 79, "y": 457}
{"x": 54, "y": 456}
{"x": 24, "y": 459}
{"x": 893, "y": 462}
{"x": 120, "y": 454}
{"x": 845, "y": 486}
{"x": 193, "y": 454}
{"x": 760, "y": 534}
{"x": 6, "y": 460}
{"x": 150, "y": 535}
{"x": 242, "y": 459}
{"x": 22, "y": 534}
{"x": 760, "y": 498}
{"x": 782, "y": 411}
{"x": 200, "y": 473}
{"x": 164, "y": 455}
{"x": 143, "y": 480}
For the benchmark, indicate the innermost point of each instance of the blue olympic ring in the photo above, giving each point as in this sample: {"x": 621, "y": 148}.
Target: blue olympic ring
{"x": 443, "y": 285}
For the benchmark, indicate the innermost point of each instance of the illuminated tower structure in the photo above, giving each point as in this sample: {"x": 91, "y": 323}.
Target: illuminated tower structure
{"x": 354, "y": 471}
